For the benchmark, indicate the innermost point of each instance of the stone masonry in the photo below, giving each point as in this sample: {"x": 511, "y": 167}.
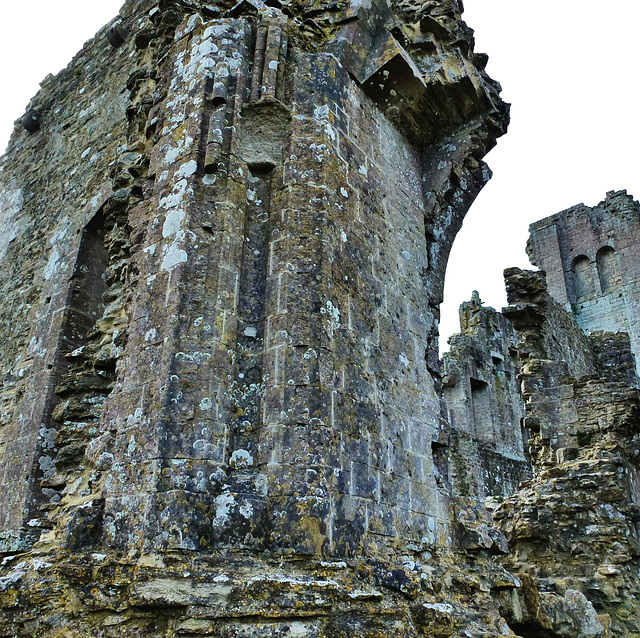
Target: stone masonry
{"x": 485, "y": 411}
{"x": 574, "y": 529}
{"x": 251, "y": 200}
{"x": 224, "y": 230}
{"x": 592, "y": 261}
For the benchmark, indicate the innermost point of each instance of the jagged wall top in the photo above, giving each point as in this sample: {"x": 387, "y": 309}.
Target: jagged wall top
{"x": 372, "y": 38}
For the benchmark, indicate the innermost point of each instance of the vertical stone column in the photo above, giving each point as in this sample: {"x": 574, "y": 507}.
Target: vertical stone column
{"x": 169, "y": 414}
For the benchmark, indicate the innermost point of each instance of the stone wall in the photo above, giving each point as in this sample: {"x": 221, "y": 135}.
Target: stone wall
{"x": 573, "y": 531}
{"x": 53, "y": 189}
{"x": 258, "y": 334}
{"x": 613, "y": 356}
{"x": 225, "y": 232}
{"x": 591, "y": 257}
{"x": 221, "y": 385}
{"x": 481, "y": 391}
{"x": 545, "y": 330}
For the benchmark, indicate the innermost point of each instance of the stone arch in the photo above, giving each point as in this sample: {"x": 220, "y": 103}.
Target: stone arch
{"x": 582, "y": 272}
{"x": 608, "y": 271}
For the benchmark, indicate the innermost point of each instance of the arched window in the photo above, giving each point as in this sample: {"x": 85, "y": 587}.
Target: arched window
{"x": 582, "y": 277}
{"x": 608, "y": 269}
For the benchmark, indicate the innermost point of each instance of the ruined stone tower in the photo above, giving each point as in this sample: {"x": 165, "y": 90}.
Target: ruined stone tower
{"x": 223, "y": 281}
{"x": 591, "y": 255}
{"x": 224, "y": 233}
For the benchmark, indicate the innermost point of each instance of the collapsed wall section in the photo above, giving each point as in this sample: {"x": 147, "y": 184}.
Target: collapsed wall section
{"x": 52, "y": 186}
{"x": 573, "y": 530}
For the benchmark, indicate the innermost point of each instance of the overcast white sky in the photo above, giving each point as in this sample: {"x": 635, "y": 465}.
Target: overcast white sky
{"x": 40, "y": 37}
{"x": 570, "y": 68}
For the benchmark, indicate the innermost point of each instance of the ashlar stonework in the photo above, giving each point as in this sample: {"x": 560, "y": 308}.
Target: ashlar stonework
{"x": 590, "y": 255}
{"x": 224, "y": 233}
{"x": 245, "y": 190}
{"x": 221, "y": 389}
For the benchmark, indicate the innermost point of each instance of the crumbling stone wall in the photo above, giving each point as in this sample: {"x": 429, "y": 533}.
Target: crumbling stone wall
{"x": 222, "y": 392}
{"x": 591, "y": 257}
{"x": 573, "y": 531}
{"x": 613, "y": 356}
{"x": 54, "y": 186}
{"x": 481, "y": 390}
{"x": 545, "y": 330}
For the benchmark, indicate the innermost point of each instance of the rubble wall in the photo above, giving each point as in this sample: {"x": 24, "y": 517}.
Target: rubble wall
{"x": 545, "y": 329}
{"x": 573, "y": 529}
{"x": 52, "y": 186}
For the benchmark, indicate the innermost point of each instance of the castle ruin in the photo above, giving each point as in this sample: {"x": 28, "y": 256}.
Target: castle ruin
{"x": 225, "y": 230}
{"x": 591, "y": 257}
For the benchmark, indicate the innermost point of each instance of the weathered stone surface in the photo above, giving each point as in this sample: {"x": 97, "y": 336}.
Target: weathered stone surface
{"x": 591, "y": 257}
{"x": 545, "y": 329}
{"x": 223, "y": 255}
{"x": 614, "y": 358}
{"x": 234, "y": 245}
{"x": 485, "y": 410}
{"x": 573, "y": 530}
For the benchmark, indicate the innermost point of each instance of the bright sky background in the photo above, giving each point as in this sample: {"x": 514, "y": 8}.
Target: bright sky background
{"x": 571, "y": 71}
{"x": 570, "y": 68}
{"x": 40, "y": 37}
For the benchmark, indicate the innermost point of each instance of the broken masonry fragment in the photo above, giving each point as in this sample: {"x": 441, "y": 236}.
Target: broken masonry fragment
{"x": 31, "y": 121}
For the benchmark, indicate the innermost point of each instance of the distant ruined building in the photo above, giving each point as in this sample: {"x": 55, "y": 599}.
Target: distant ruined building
{"x": 224, "y": 231}
{"x": 481, "y": 391}
{"x": 592, "y": 259}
